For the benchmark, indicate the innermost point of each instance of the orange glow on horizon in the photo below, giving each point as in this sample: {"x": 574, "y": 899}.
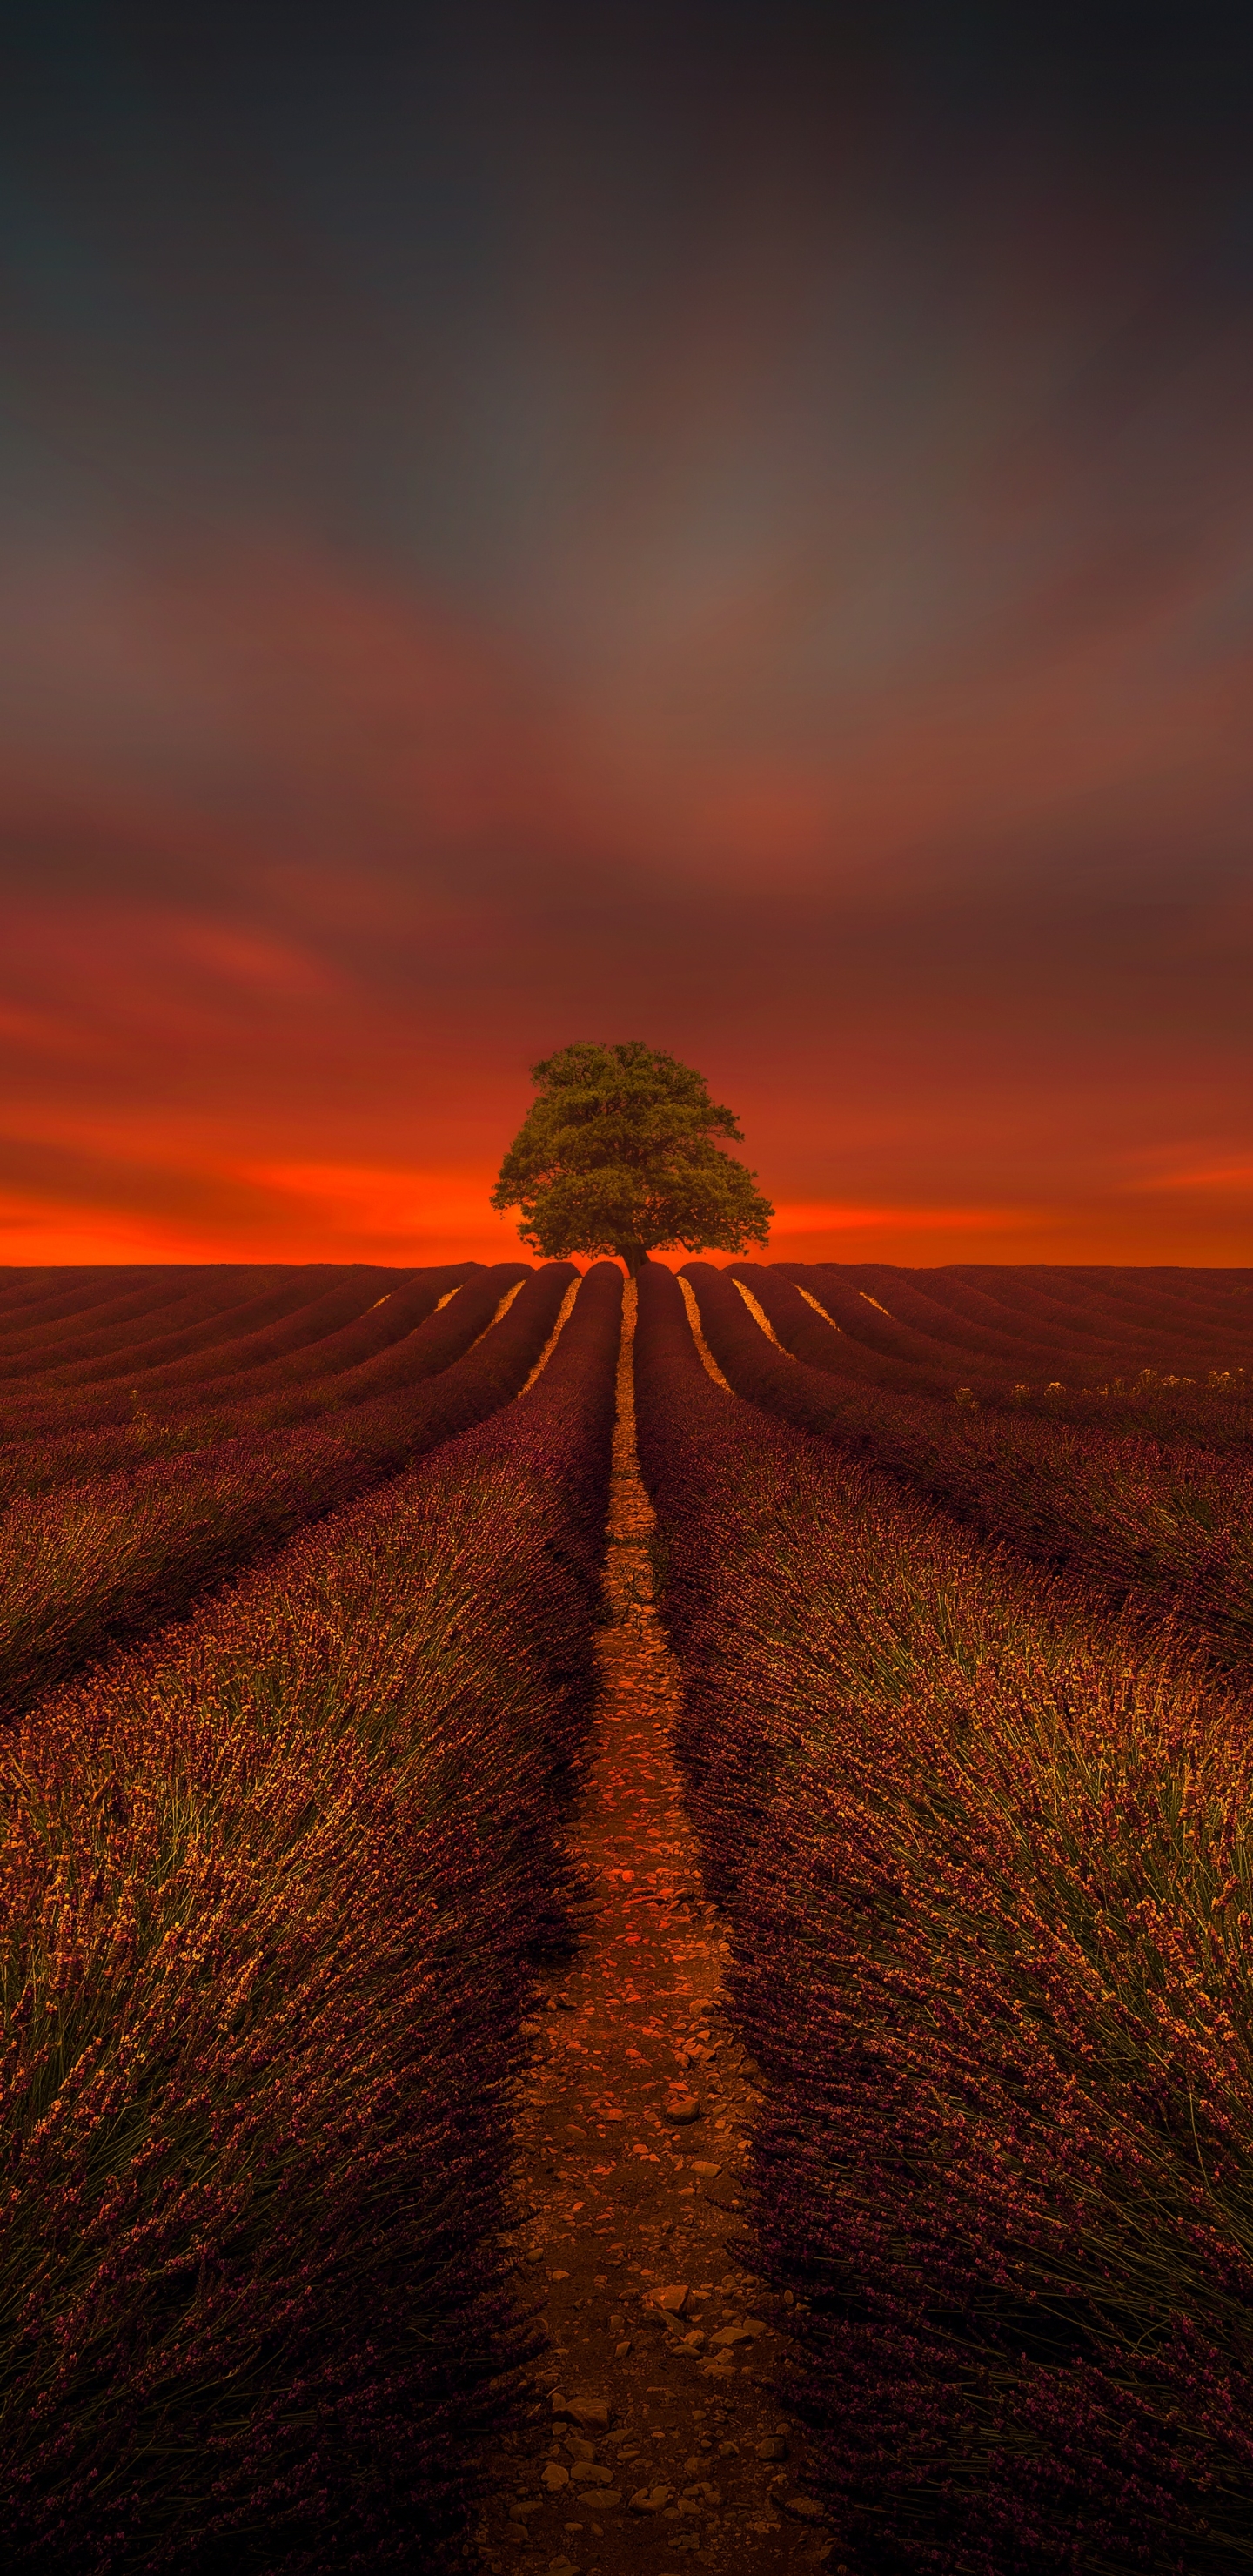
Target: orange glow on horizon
{"x": 745, "y": 554}
{"x": 343, "y": 1212}
{"x": 297, "y": 1027}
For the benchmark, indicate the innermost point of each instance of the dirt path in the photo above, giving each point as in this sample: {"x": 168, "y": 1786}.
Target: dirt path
{"x": 664, "y": 2449}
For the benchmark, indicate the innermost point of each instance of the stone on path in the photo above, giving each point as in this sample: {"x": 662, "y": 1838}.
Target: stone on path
{"x": 620, "y": 2456}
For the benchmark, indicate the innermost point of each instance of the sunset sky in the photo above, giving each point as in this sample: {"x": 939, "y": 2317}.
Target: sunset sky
{"x": 729, "y": 525}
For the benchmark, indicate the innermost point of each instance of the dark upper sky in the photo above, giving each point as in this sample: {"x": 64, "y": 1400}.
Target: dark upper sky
{"x": 731, "y": 526}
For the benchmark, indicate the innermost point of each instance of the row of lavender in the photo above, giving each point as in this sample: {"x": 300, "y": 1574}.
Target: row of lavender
{"x": 987, "y": 1860}
{"x": 1030, "y": 1324}
{"x": 87, "y": 1558}
{"x": 68, "y": 1337}
{"x": 1166, "y": 1523}
{"x": 204, "y": 1364}
{"x": 267, "y": 1962}
{"x": 180, "y": 1329}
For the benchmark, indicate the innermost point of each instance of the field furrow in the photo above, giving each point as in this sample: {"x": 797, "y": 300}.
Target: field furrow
{"x": 988, "y": 1862}
{"x": 1170, "y": 1528}
{"x": 736, "y": 2048}
{"x": 266, "y": 1966}
{"x": 116, "y": 1555}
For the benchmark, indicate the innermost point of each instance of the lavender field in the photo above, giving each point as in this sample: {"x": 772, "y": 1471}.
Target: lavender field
{"x": 302, "y": 1666}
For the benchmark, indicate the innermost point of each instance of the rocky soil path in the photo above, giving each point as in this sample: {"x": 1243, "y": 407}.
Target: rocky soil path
{"x": 659, "y": 2446}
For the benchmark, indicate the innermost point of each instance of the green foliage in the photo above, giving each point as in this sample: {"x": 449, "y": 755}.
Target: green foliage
{"x": 615, "y": 1155}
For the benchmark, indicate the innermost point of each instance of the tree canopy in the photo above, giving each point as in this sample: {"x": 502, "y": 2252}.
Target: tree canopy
{"x": 616, "y": 1155}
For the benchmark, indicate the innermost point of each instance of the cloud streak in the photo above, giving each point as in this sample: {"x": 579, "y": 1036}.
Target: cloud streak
{"x": 738, "y": 543}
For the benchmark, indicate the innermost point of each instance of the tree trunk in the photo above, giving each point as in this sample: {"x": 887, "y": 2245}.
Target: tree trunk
{"x": 633, "y": 1254}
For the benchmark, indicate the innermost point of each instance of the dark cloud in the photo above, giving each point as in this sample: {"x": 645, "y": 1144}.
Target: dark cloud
{"x": 723, "y": 524}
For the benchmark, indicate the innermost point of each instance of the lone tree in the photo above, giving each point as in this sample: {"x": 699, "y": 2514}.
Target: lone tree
{"x": 616, "y": 1155}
